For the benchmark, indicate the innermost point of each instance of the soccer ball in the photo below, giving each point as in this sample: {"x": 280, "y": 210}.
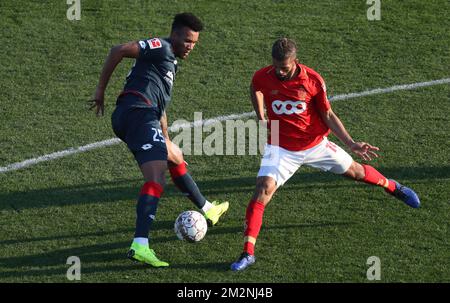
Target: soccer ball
{"x": 191, "y": 226}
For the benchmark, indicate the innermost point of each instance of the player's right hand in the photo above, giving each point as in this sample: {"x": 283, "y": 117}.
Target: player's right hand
{"x": 98, "y": 102}
{"x": 364, "y": 150}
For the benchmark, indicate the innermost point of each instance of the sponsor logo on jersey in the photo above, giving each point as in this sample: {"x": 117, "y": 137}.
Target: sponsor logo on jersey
{"x": 169, "y": 77}
{"x": 142, "y": 44}
{"x": 154, "y": 43}
{"x": 288, "y": 107}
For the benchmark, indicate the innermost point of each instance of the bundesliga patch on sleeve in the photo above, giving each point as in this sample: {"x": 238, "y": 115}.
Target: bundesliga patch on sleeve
{"x": 154, "y": 43}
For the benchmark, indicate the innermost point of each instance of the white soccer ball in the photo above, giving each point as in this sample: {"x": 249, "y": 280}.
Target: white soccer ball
{"x": 191, "y": 226}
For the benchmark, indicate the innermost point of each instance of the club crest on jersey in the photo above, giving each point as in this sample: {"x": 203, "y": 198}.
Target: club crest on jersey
{"x": 154, "y": 43}
{"x": 301, "y": 93}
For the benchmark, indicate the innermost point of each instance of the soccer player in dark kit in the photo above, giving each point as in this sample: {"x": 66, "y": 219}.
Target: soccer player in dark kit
{"x": 140, "y": 120}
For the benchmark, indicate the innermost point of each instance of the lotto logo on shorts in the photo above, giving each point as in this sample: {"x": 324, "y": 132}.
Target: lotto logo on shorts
{"x": 146, "y": 146}
{"x": 288, "y": 107}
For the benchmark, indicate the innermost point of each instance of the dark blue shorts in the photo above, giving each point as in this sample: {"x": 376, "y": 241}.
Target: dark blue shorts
{"x": 141, "y": 130}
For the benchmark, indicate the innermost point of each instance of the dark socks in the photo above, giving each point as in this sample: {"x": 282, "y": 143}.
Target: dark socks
{"x": 146, "y": 208}
{"x": 186, "y": 184}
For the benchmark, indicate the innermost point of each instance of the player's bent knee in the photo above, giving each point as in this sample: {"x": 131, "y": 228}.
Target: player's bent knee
{"x": 265, "y": 187}
{"x": 355, "y": 171}
{"x": 175, "y": 154}
{"x": 154, "y": 171}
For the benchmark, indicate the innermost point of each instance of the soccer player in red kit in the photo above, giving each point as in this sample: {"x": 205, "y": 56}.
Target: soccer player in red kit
{"x": 294, "y": 96}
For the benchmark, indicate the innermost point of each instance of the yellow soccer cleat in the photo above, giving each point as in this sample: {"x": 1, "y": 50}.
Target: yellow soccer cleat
{"x": 143, "y": 253}
{"x": 213, "y": 214}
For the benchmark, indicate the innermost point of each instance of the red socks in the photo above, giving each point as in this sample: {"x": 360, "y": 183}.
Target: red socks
{"x": 372, "y": 176}
{"x": 178, "y": 171}
{"x": 253, "y": 221}
{"x": 152, "y": 189}
{"x": 255, "y": 209}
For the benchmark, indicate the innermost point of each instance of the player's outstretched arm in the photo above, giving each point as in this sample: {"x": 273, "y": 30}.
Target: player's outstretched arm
{"x": 362, "y": 149}
{"x": 116, "y": 54}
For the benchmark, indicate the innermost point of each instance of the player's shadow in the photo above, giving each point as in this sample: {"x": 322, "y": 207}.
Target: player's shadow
{"x": 70, "y": 195}
{"x": 159, "y": 225}
{"x": 92, "y": 193}
{"x": 127, "y": 189}
{"x": 305, "y": 177}
{"x": 225, "y": 266}
{"x": 52, "y": 262}
{"x": 56, "y": 257}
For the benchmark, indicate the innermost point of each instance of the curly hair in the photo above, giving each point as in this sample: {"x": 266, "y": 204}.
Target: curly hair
{"x": 188, "y": 20}
{"x": 284, "y": 48}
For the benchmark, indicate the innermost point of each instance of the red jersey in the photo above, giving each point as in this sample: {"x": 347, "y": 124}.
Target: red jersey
{"x": 296, "y": 104}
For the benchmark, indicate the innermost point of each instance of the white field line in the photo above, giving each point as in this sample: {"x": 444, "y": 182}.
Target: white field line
{"x": 113, "y": 141}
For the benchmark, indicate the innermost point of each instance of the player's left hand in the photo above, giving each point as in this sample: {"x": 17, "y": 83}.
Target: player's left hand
{"x": 364, "y": 150}
{"x": 98, "y": 102}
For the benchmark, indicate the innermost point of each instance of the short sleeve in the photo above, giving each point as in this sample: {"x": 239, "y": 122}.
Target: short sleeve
{"x": 152, "y": 50}
{"x": 256, "y": 82}
{"x": 321, "y": 99}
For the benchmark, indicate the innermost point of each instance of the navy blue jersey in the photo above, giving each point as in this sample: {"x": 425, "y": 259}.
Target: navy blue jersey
{"x": 151, "y": 77}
